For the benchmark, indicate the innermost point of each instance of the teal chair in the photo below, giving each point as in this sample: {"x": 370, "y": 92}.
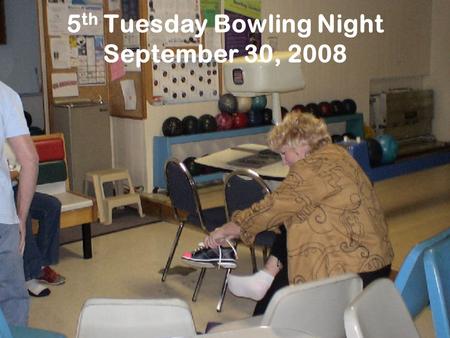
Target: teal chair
{"x": 411, "y": 281}
{"x": 437, "y": 271}
{"x": 7, "y": 331}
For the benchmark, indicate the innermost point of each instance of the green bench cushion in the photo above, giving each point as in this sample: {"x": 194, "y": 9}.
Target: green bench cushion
{"x": 51, "y": 172}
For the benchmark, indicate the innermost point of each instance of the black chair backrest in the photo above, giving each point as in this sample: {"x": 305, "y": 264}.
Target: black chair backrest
{"x": 181, "y": 188}
{"x": 243, "y": 187}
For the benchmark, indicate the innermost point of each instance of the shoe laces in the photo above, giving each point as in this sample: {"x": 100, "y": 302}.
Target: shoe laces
{"x": 220, "y": 252}
{"x": 201, "y": 246}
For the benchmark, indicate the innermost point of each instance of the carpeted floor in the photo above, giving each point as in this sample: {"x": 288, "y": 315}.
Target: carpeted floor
{"x": 123, "y": 218}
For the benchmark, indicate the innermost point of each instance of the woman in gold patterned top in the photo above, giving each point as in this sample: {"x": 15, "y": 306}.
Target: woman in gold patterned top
{"x": 333, "y": 219}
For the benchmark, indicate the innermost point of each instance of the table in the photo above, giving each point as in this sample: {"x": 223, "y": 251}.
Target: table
{"x": 222, "y": 159}
{"x": 260, "y": 332}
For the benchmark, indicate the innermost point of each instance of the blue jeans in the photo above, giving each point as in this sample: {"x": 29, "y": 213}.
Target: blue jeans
{"x": 42, "y": 249}
{"x": 13, "y": 293}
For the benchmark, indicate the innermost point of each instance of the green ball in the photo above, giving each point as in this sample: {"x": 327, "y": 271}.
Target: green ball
{"x": 259, "y": 102}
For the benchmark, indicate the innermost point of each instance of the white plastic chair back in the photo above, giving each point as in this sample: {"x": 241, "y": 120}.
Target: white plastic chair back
{"x": 379, "y": 312}
{"x": 137, "y": 318}
{"x": 315, "y": 307}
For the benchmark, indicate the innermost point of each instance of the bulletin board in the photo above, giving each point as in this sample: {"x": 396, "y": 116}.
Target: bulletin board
{"x": 83, "y": 55}
{"x": 134, "y": 77}
{"x": 80, "y": 54}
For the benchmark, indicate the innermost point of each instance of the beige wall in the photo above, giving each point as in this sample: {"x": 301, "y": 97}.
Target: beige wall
{"x": 401, "y": 52}
{"x": 439, "y": 78}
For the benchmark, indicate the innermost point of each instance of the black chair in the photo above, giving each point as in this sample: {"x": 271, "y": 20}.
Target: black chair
{"x": 183, "y": 195}
{"x": 243, "y": 187}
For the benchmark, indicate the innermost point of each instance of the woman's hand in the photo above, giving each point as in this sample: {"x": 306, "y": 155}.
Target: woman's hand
{"x": 220, "y": 235}
{"x": 215, "y": 238}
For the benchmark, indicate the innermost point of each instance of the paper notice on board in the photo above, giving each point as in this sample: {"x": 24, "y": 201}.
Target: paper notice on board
{"x": 64, "y": 84}
{"x": 60, "y": 52}
{"x": 57, "y": 16}
{"x": 95, "y": 12}
{"x": 117, "y": 70}
{"x": 212, "y": 40}
{"x": 129, "y": 94}
{"x": 114, "y": 5}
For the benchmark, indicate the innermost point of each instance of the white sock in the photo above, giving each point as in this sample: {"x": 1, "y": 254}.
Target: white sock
{"x": 35, "y": 286}
{"x": 253, "y": 287}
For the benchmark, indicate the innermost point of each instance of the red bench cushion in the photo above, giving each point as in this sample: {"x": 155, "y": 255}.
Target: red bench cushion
{"x": 50, "y": 149}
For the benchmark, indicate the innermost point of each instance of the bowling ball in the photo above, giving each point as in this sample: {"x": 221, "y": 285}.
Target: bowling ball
{"x": 224, "y": 121}
{"x": 207, "y": 123}
{"x": 389, "y": 146}
{"x": 190, "y": 125}
{"x": 172, "y": 126}
{"x": 326, "y": 109}
{"x": 255, "y": 118}
{"x": 228, "y": 103}
{"x": 267, "y": 116}
{"x": 240, "y": 120}
{"x": 259, "y": 102}
{"x": 300, "y": 107}
{"x": 338, "y": 107}
{"x": 374, "y": 151}
{"x": 244, "y": 104}
{"x": 193, "y": 168}
{"x": 337, "y": 138}
{"x": 313, "y": 108}
{"x": 349, "y": 106}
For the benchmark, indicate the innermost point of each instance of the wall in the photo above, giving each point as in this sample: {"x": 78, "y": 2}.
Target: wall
{"x": 439, "y": 78}
{"x": 130, "y": 150}
{"x": 20, "y": 57}
{"x": 402, "y": 51}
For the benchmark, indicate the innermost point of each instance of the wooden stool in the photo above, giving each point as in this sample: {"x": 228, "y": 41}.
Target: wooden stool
{"x": 106, "y": 204}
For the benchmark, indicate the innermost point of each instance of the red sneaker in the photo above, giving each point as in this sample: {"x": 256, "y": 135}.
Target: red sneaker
{"x": 51, "y": 277}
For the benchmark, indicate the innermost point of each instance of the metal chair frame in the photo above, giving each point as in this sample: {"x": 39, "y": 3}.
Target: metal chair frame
{"x": 252, "y": 175}
{"x": 181, "y": 223}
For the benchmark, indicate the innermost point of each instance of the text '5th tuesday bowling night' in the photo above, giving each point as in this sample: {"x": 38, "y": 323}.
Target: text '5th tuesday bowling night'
{"x": 331, "y": 24}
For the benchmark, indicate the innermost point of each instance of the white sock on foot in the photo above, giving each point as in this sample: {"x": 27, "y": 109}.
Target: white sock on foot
{"x": 253, "y": 287}
{"x": 36, "y": 288}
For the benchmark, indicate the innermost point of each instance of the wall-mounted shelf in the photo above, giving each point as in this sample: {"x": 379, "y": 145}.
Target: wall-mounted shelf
{"x": 163, "y": 146}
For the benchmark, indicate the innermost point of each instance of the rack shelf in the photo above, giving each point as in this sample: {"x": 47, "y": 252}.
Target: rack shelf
{"x": 162, "y": 145}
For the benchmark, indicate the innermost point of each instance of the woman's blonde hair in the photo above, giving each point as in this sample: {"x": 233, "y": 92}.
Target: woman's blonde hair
{"x": 298, "y": 127}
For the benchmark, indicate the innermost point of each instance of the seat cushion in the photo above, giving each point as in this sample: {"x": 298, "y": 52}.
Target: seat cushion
{"x": 71, "y": 201}
{"x": 51, "y": 149}
{"x": 213, "y": 217}
{"x": 50, "y": 172}
{"x": 237, "y": 324}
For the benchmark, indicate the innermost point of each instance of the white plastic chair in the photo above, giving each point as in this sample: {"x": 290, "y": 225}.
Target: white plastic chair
{"x": 379, "y": 312}
{"x": 315, "y": 307}
{"x": 137, "y": 318}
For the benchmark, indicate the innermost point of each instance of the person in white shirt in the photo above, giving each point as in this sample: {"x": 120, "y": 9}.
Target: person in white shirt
{"x": 41, "y": 250}
{"x": 14, "y": 130}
